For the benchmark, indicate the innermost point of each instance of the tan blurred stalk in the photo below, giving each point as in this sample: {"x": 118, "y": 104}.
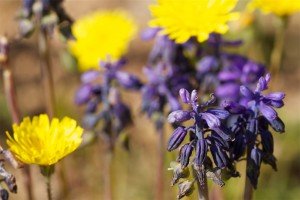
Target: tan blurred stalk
{"x": 11, "y": 99}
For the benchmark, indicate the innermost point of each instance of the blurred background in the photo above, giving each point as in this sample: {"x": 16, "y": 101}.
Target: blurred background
{"x": 134, "y": 171}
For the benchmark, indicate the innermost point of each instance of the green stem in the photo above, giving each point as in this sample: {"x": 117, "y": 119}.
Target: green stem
{"x": 277, "y": 52}
{"x": 47, "y": 172}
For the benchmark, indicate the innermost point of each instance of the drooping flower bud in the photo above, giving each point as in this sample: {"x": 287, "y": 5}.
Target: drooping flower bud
{"x": 177, "y": 138}
{"x": 185, "y": 154}
{"x": 179, "y": 116}
{"x": 201, "y": 151}
{"x": 278, "y": 125}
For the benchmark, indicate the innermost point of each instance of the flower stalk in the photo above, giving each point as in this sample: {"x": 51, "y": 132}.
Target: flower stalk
{"x": 248, "y": 190}
{"x": 46, "y": 72}
{"x": 11, "y": 99}
{"x": 160, "y": 165}
{"x": 277, "y": 52}
{"x": 47, "y": 172}
{"x": 202, "y": 187}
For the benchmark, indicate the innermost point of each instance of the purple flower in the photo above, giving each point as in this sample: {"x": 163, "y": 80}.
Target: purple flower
{"x": 206, "y": 119}
{"x": 264, "y": 103}
{"x": 100, "y": 93}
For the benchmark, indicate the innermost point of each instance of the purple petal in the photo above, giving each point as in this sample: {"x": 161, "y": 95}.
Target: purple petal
{"x": 206, "y": 64}
{"x": 276, "y": 96}
{"x": 90, "y": 76}
{"x": 229, "y": 75}
{"x": 194, "y": 96}
{"x": 267, "y": 111}
{"x": 176, "y": 138}
{"x": 173, "y": 103}
{"x": 261, "y": 85}
{"x": 211, "y": 120}
{"x": 128, "y": 81}
{"x": 149, "y": 33}
{"x": 233, "y": 107}
{"x": 228, "y": 91}
{"x": 201, "y": 151}
{"x": 184, "y": 95}
{"x": 221, "y": 114}
{"x": 83, "y": 94}
{"x": 179, "y": 116}
{"x": 246, "y": 92}
{"x": 276, "y": 104}
{"x": 268, "y": 77}
{"x": 185, "y": 154}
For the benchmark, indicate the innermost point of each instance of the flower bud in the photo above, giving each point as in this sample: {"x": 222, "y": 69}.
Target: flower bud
{"x": 220, "y": 157}
{"x": 201, "y": 151}
{"x": 4, "y": 195}
{"x": 83, "y": 94}
{"x": 184, "y": 95}
{"x": 233, "y": 107}
{"x": 278, "y": 125}
{"x": 177, "y": 138}
{"x": 267, "y": 141}
{"x": 246, "y": 92}
{"x": 179, "y": 116}
{"x": 185, "y": 154}
{"x": 128, "y": 81}
{"x": 194, "y": 96}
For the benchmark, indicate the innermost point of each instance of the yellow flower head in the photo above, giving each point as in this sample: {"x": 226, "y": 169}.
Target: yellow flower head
{"x": 181, "y": 20}
{"x": 101, "y": 36}
{"x": 277, "y": 7}
{"x": 44, "y": 142}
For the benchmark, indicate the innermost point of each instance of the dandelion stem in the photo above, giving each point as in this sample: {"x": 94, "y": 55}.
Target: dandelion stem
{"x": 11, "y": 99}
{"x": 160, "y": 165}
{"x": 277, "y": 52}
{"x": 48, "y": 183}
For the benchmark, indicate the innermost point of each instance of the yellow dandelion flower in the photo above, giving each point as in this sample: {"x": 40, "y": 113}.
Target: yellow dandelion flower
{"x": 44, "y": 142}
{"x": 101, "y": 36}
{"x": 181, "y": 20}
{"x": 277, "y": 7}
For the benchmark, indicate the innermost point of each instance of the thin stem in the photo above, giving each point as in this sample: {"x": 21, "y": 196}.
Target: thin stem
{"x": 160, "y": 166}
{"x": 248, "y": 191}
{"x": 108, "y": 175}
{"x": 9, "y": 91}
{"x": 46, "y": 72}
{"x": 49, "y": 190}
{"x": 277, "y": 52}
{"x": 11, "y": 99}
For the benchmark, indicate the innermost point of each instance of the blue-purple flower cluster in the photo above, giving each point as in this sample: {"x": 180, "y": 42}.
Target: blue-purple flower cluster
{"x": 228, "y": 132}
{"x": 100, "y": 93}
{"x": 207, "y": 132}
{"x": 167, "y": 71}
{"x": 252, "y": 127}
